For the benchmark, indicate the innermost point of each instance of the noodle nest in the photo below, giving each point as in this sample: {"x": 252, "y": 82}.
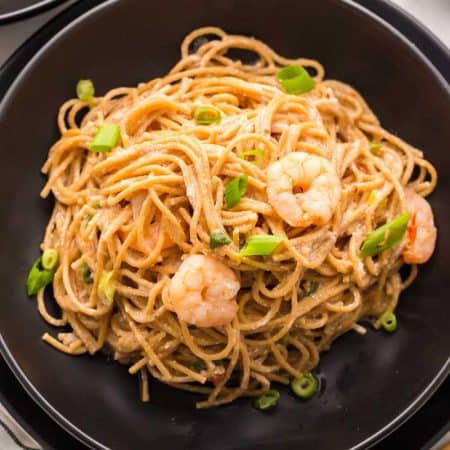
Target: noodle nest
{"x": 138, "y": 211}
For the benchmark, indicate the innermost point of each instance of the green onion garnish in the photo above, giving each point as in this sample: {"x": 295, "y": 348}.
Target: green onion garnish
{"x": 388, "y": 321}
{"x": 258, "y": 153}
{"x": 38, "y": 277}
{"x": 218, "y": 239}
{"x": 375, "y": 147}
{"x": 106, "y": 288}
{"x": 86, "y": 273}
{"x": 50, "y": 259}
{"x": 267, "y": 400}
{"x": 295, "y": 79}
{"x": 85, "y": 90}
{"x": 305, "y": 387}
{"x": 309, "y": 288}
{"x": 106, "y": 138}
{"x": 235, "y": 189}
{"x": 206, "y": 115}
{"x": 386, "y": 236}
{"x": 382, "y": 205}
{"x": 199, "y": 365}
{"x": 261, "y": 245}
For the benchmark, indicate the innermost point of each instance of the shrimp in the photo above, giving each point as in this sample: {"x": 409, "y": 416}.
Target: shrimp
{"x": 421, "y": 234}
{"x": 303, "y": 189}
{"x": 203, "y": 292}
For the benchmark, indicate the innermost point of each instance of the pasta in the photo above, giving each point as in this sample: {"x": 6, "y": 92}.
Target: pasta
{"x": 150, "y": 234}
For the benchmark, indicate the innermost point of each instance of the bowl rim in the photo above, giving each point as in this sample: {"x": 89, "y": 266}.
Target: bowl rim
{"x": 6, "y": 353}
{"x": 28, "y": 11}
{"x": 424, "y": 28}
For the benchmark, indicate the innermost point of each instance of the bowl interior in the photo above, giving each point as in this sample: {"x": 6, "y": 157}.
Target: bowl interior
{"x": 367, "y": 382}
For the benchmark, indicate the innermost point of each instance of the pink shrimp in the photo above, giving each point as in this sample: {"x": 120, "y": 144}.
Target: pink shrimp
{"x": 421, "y": 234}
{"x": 203, "y": 292}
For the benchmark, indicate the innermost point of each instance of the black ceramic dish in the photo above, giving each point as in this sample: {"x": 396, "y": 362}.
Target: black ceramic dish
{"x": 11, "y": 10}
{"x": 372, "y": 383}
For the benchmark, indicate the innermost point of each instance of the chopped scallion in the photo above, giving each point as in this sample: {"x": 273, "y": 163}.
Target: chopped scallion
{"x": 106, "y": 288}
{"x": 375, "y": 147}
{"x": 258, "y": 153}
{"x": 85, "y": 90}
{"x": 86, "y": 273}
{"x": 386, "y": 236}
{"x": 388, "y": 321}
{"x": 218, "y": 239}
{"x": 199, "y": 365}
{"x": 372, "y": 197}
{"x": 295, "y": 79}
{"x": 261, "y": 245}
{"x": 235, "y": 189}
{"x": 106, "y": 138}
{"x": 309, "y": 288}
{"x": 207, "y": 115}
{"x": 38, "y": 277}
{"x": 382, "y": 205}
{"x": 305, "y": 387}
{"x": 267, "y": 400}
{"x": 50, "y": 259}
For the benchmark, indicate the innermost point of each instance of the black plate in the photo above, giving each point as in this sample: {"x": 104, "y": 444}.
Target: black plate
{"x": 16, "y": 9}
{"x": 372, "y": 383}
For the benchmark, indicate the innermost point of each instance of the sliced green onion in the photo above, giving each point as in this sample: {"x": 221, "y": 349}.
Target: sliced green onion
{"x": 382, "y": 205}
{"x": 261, "y": 245}
{"x": 373, "y": 197}
{"x": 199, "y": 365}
{"x": 235, "y": 189}
{"x": 295, "y": 79}
{"x": 86, "y": 273}
{"x": 305, "y": 387}
{"x": 375, "y": 147}
{"x": 106, "y": 288}
{"x": 38, "y": 277}
{"x": 50, "y": 259}
{"x": 85, "y": 90}
{"x": 259, "y": 154}
{"x": 106, "y": 138}
{"x": 310, "y": 288}
{"x": 388, "y": 321}
{"x": 218, "y": 239}
{"x": 386, "y": 236}
{"x": 267, "y": 400}
{"x": 206, "y": 115}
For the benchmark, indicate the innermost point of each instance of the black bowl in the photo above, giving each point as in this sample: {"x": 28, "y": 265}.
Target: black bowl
{"x": 370, "y": 384}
